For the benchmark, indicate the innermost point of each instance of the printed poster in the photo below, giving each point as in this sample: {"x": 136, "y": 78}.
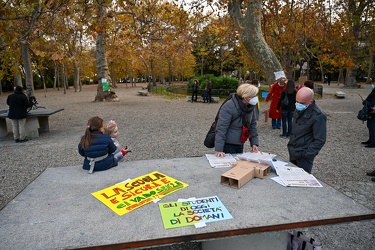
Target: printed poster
{"x": 127, "y": 196}
{"x": 190, "y": 212}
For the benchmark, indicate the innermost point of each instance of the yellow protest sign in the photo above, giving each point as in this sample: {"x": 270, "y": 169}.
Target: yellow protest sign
{"x": 127, "y": 196}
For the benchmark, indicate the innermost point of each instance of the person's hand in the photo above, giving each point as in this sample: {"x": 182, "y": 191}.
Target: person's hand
{"x": 220, "y": 154}
{"x": 125, "y": 150}
{"x": 254, "y": 149}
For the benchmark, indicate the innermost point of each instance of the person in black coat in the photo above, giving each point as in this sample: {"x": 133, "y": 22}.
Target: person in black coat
{"x": 194, "y": 95}
{"x": 18, "y": 104}
{"x": 370, "y": 103}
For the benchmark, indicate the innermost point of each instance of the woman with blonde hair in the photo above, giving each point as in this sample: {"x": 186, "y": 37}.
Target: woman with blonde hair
{"x": 237, "y": 122}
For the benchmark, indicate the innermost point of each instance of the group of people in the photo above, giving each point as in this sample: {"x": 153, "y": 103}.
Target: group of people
{"x": 281, "y": 112}
{"x": 302, "y": 121}
{"x": 237, "y": 120}
{"x": 207, "y": 94}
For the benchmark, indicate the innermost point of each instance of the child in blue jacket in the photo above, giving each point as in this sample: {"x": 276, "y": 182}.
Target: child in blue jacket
{"x": 98, "y": 148}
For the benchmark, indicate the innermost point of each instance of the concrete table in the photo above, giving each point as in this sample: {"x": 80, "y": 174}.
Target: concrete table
{"x": 37, "y": 120}
{"x": 57, "y": 210}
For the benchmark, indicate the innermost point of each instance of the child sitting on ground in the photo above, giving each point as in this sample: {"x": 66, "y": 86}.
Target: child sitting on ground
{"x": 98, "y": 148}
{"x": 112, "y": 129}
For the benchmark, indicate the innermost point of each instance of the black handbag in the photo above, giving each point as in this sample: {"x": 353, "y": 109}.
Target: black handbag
{"x": 363, "y": 114}
{"x": 209, "y": 141}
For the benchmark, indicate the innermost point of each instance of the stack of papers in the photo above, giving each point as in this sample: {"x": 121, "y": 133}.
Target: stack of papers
{"x": 260, "y": 157}
{"x": 295, "y": 177}
{"x": 220, "y": 162}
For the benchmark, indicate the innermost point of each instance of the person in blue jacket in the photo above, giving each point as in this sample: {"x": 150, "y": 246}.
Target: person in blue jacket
{"x": 98, "y": 148}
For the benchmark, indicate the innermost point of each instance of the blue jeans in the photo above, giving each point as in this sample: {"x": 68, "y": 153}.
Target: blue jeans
{"x": 276, "y": 123}
{"x": 233, "y": 148}
{"x": 287, "y": 117}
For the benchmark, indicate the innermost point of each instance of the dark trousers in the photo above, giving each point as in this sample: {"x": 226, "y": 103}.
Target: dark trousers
{"x": 194, "y": 96}
{"x": 209, "y": 96}
{"x": 233, "y": 148}
{"x": 304, "y": 163}
{"x": 287, "y": 117}
{"x": 371, "y": 130}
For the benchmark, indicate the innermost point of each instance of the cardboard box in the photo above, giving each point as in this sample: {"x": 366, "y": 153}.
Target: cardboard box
{"x": 260, "y": 170}
{"x": 237, "y": 176}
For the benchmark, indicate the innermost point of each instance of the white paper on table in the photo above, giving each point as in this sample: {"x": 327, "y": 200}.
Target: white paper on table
{"x": 297, "y": 177}
{"x": 260, "y": 157}
{"x": 278, "y": 180}
{"x": 220, "y": 162}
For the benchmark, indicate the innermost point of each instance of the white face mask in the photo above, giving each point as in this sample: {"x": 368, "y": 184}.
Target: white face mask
{"x": 253, "y": 101}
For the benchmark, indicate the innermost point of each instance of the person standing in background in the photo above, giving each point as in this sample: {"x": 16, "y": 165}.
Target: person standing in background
{"x": 288, "y": 110}
{"x": 194, "y": 95}
{"x": 18, "y": 104}
{"x": 370, "y": 103}
{"x": 275, "y": 92}
{"x": 208, "y": 90}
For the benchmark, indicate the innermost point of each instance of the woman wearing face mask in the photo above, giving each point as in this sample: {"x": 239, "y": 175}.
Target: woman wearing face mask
{"x": 237, "y": 122}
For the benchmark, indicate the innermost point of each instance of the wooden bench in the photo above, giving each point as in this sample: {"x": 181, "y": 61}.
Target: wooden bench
{"x": 200, "y": 99}
{"x": 340, "y": 94}
{"x": 143, "y": 93}
{"x": 37, "y": 120}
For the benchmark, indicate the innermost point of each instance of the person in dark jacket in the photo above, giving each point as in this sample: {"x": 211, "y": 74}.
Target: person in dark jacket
{"x": 370, "y": 103}
{"x": 208, "y": 90}
{"x": 194, "y": 95}
{"x": 98, "y": 148}
{"x": 234, "y": 115}
{"x": 287, "y": 110}
{"x": 18, "y": 104}
{"x": 309, "y": 130}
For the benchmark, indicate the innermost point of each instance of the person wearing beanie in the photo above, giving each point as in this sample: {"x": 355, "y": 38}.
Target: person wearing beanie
{"x": 18, "y": 104}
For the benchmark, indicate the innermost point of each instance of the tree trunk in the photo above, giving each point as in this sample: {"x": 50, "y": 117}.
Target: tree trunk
{"x": 370, "y": 66}
{"x": 101, "y": 61}
{"x": 76, "y": 76}
{"x": 27, "y": 67}
{"x": 250, "y": 30}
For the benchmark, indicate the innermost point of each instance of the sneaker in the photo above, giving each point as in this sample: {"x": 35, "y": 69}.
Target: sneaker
{"x": 17, "y": 140}
{"x": 24, "y": 140}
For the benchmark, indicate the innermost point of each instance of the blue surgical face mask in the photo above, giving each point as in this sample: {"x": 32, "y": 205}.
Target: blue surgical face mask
{"x": 253, "y": 101}
{"x": 300, "y": 107}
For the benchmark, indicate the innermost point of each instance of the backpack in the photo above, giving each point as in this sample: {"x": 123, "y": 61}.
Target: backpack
{"x": 285, "y": 100}
{"x": 209, "y": 141}
{"x": 363, "y": 113}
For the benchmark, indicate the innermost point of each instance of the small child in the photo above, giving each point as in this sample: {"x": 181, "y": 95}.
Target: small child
{"x": 112, "y": 129}
{"x": 98, "y": 148}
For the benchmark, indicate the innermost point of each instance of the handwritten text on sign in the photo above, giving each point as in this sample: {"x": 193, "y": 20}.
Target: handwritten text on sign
{"x": 127, "y": 196}
{"x": 186, "y": 213}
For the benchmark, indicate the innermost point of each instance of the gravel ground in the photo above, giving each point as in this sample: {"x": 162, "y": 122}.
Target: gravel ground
{"x": 159, "y": 127}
